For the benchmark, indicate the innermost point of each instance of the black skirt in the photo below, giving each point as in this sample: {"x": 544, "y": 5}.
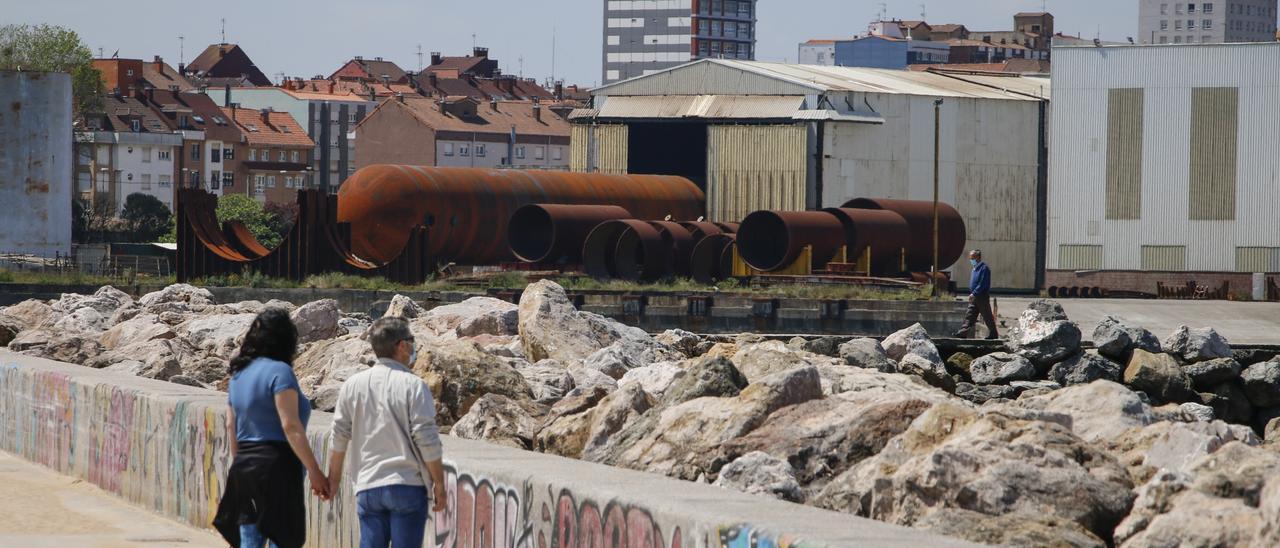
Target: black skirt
{"x": 264, "y": 486}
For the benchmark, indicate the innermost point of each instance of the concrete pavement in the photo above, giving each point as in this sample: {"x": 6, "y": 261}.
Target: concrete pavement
{"x": 40, "y": 508}
{"x": 1239, "y": 322}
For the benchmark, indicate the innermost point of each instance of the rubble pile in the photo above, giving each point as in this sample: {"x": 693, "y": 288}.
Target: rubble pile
{"x": 1130, "y": 441}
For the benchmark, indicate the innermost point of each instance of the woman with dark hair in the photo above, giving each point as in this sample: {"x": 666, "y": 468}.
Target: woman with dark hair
{"x": 267, "y": 424}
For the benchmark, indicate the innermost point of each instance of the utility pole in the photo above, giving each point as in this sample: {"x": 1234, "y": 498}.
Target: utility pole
{"x": 182, "y": 52}
{"x": 419, "y": 57}
{"x": 937, "y": 147}
{"x": 553, "y": 55}
{"x": 224, "y": 30}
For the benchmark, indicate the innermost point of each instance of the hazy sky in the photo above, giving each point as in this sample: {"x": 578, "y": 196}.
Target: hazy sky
{"x": 308, "y": 37}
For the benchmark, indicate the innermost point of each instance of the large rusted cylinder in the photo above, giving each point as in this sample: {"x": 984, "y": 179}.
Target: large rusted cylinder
{"x": 554, "y": 233}
{"x": 701, "y": 229}
{"x": 705, "y": 266}
{"x": 919, "y": 216}
{"x": 599, "y": 252}
{"x": 682, "y": 242}
{"x": 467, "y": 209}
{"x": 772, "y": 240}
{"x": 885, "y": 232}
{"x": 645, "y": 252}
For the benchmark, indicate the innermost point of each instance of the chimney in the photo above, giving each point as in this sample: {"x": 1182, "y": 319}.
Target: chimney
{"x": 377, "y": 58}
{"x": 386, "y": 80}
{"x": 151, "y": 94}
{"x": 493, "y": 104}
{"x": 400, "y": 97}
{"x": 234, "y": 107}
{"x": 440, "y": 105}
{"x": 507, "y": 85}
{"x": 436, "y": 58}
{"x": 182, "y": 68}
{"x": 559, "y": 91}
{"x": 413, "y": 80}
{"x": 480, "y": 52}
{"x": 359, "y": 58}
{"x": 331, "y": 85}
{"x": 266, "y": 115}
{"x": 159, "y": 65}
{"x": 537, "y": 110}
{"x": 226, "y": 99}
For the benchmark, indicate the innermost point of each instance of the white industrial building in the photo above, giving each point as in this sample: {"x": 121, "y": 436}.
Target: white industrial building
{"x": 759, "y": 135}
{"x": 35, "y": 163}
{"x": 1164, "y": 166}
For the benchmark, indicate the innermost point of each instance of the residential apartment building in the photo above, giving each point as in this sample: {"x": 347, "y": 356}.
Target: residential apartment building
{"x": 1165, "y": 22}
{"x": 817, "y": 52}
{"x": 211, "y": 162}
{"x": 889, "y": 52}
{"x": 646, "y": 36}
{"x": 275, "y": 156}
{"x": 462, "y": 132}
{"x": 125, "y": 149}
{"x": 359, "y": 69}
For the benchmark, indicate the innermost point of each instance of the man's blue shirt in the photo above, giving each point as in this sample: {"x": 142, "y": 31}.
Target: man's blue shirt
{"x": 980, "y": 280}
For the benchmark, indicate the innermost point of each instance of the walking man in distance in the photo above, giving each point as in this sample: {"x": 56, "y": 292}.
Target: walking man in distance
{"x": 386, "y": 417}
{"x": 979, "y": 299}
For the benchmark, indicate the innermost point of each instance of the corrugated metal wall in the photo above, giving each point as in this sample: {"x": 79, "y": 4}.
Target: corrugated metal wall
{"x": 1164, "y": 257}
{"x": 1124, "y": 153}
{"x": 1080, "y": 257}
{"x": 1214, "y": 116}
{"x": 755, "y": 167}
{"x": 598, "y": 148}
{"x": 1169, "y": 78}
{"x": 1258, "y": 259}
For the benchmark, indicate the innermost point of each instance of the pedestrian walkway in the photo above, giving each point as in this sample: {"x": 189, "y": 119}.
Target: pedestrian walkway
{"x": 1239, "y": 322}
{"x": 40, "y": 508}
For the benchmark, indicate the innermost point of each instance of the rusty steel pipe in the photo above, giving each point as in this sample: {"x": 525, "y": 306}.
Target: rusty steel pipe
{"x": 729, "y": 228}
{"x": 682, "y": 242}
{"x": 599, "y": 251}
{"x": 885, "y": 232}
{"x": 705, "y": 265}
{"x": 701, "y": 229}
{"x": 919, "y": 216}
{"x": 555, "y": 233}
{"x": 772, "y": 240}
{"x": 467, "y": 209}
{"x": 645, "y": 252}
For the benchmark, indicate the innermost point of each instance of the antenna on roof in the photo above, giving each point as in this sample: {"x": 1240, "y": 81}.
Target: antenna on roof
{"x": 182, "y": 52}
{"x": 521, "y": 61}
{"x": 924, "y": 13}
{"x": 419, "y": 57}
{"x": 224, "y": 30}
{"x": 553, "y": 55}
{"x": 884, "y": 12}
{"x": 101, "y": 55}
{"x": 473, "y": 42}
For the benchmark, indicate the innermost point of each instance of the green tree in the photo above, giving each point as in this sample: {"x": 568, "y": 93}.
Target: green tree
{"x": 238, "y": 207}
{"x": 56, "y": 49}
{"x": 147, "y": 217}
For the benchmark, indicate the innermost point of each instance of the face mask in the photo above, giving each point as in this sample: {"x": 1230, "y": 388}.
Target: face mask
{"x": 413, "y": 356}
{"x": 973, "y": 262}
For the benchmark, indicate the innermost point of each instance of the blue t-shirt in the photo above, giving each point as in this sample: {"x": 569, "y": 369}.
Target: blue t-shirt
{"x": 252, "y": 395}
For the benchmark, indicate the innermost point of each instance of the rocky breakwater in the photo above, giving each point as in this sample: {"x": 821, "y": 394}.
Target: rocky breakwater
{"x": 1139, "y": 442}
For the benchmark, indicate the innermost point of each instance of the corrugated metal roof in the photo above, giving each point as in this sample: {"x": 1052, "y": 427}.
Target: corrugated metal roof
{"x": 583, "y": 113}
{"x": 837, "y": 116}
{"x": 701, "y": 106}
{"x": 1034, "y": 86}
{"x": 727, "y": 76}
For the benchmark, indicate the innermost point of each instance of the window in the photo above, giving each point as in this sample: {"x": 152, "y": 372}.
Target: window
{"x": 258, "y": 183}
{"x": 1207, "y": 24}
{"x": 215, "y": 155}
{"x": 293, "y": 156}
{"x": 614, "y": 40}
{"x": 288, "y": 181}
{"x": 1191, "y": 8}
{"x": 145, "y": 179}
{"x": 539, "y": 153}
{"x": 228, "y": 153}
{"x": 271, "y": 181}
{"x": 557, "y": 154}
{"x": 448, "y": 149}
{"x": 1206, "y": 7}
{"x": 464, "y": 150}
{"x": 228, "y": 179}
{"x": 479, "y": 151}
{"x": 520, "y": 153}
{"x": 1177, "y": 25}
{"x": 1164, "y": 9}
{"x": 193, "y": 178}
{"x": 215, "y": 180}
{"x": 253, "y": 155}
{"x": 704, "y": 27}
{"x": 284, "y": 157}
{"x": 1191, "y": 24}
{"x": 195, "y": 151}
{"x": 1177, "y": 39}
{"x": 1177, "y": 8}
{"x": 164, "y": 155}
{"x": 146, "y": 155}
{"x": 351, "y": 118}
{"x": 164, "y": 181}
{"x": 1164, "y": 39}
{"x": 135, "y": 125}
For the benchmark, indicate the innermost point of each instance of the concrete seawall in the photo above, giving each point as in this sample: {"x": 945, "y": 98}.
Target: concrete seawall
{"x": 163, "y": 446}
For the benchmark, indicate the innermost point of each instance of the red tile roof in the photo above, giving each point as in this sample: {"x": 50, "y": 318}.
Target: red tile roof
{"x": 279, "y": 129}
{"x": 371, "y": 70}
{"x": 517, "y": 114}
{"x": 226, "y": 61}
{"x": 162, "y": 76}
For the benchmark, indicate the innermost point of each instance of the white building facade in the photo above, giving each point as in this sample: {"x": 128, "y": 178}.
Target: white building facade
{"x": 1163, "y": 161}
{"x": 113, "y": 165}
{"x": 817, "y": 52}
{"x": 1167, "y": 22}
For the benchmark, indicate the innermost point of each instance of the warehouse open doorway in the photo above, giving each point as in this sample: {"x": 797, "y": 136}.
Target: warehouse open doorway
{"x": 668, "y": 148}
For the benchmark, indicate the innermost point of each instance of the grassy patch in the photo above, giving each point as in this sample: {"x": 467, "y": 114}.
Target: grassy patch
{"x": 76, "y": 277}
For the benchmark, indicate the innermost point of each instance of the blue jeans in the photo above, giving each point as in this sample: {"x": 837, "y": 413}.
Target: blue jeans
{"x": 394, "y": 515}
{"x": 251, "y": 537}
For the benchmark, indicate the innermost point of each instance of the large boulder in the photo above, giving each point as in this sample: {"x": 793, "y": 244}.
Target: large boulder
{"x": 497, "y": 419}
{"x": 1210, "y": 373}
{"x": 30, "y": 314}
{"x": 1115, "y": 339}
{"x": 986, "y": 462}
{"x": 1231, "y": 403}
{"x": 1262, "y": 383}
{"x": 1001, "y": 368}
{"x": 824, "y": 437}
{"x": 141, "y": 328}
{"x": 866, "y": 353}
{"x": 85, "y": 321}
{"x": 686, "y": 342}
{"x": 983, "y": 393}
{"x": 459, "y": 373}
{"x": 624, "y": 355}
{"x": 1225, "y": 498}
{"x": 911, "y": 340}
{"x": 548, "y": 380}
{"x": 759, "y": 360}
{"x": 654, "y": 379}
{"x": 759, "y": 473}
{"x": 565, "y": 428}
{"x": 1015, "y": 529}
{"x": 324, "y": 366}
{"x": 403, "y": 307}
{"x": 9, "y": 328}
{"x": 473, "y": 317}
{"x": 60, "y": 346}
{"x": 550, "y": 326}
{"x": 1173, "y": 446}
{"x": 105, "y": 301}
{"x": 189, "y": 295}
{"x": 686, "y": 436}
{"x": 1083, "y": 368}
{"x": 1099, "y": 411}
{"x": 615, "y": 411}
{"x": 1160, "y": 376}
{"x": 1196, "y": 345}
{"x": 158, "y": 359}
{"x": 842, "y": 378}
{"x": 1044, "y": 335}
{"x": 317, "y": 321}
{"x": 216, "y": 335}
{"x": 933, "y": 372}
